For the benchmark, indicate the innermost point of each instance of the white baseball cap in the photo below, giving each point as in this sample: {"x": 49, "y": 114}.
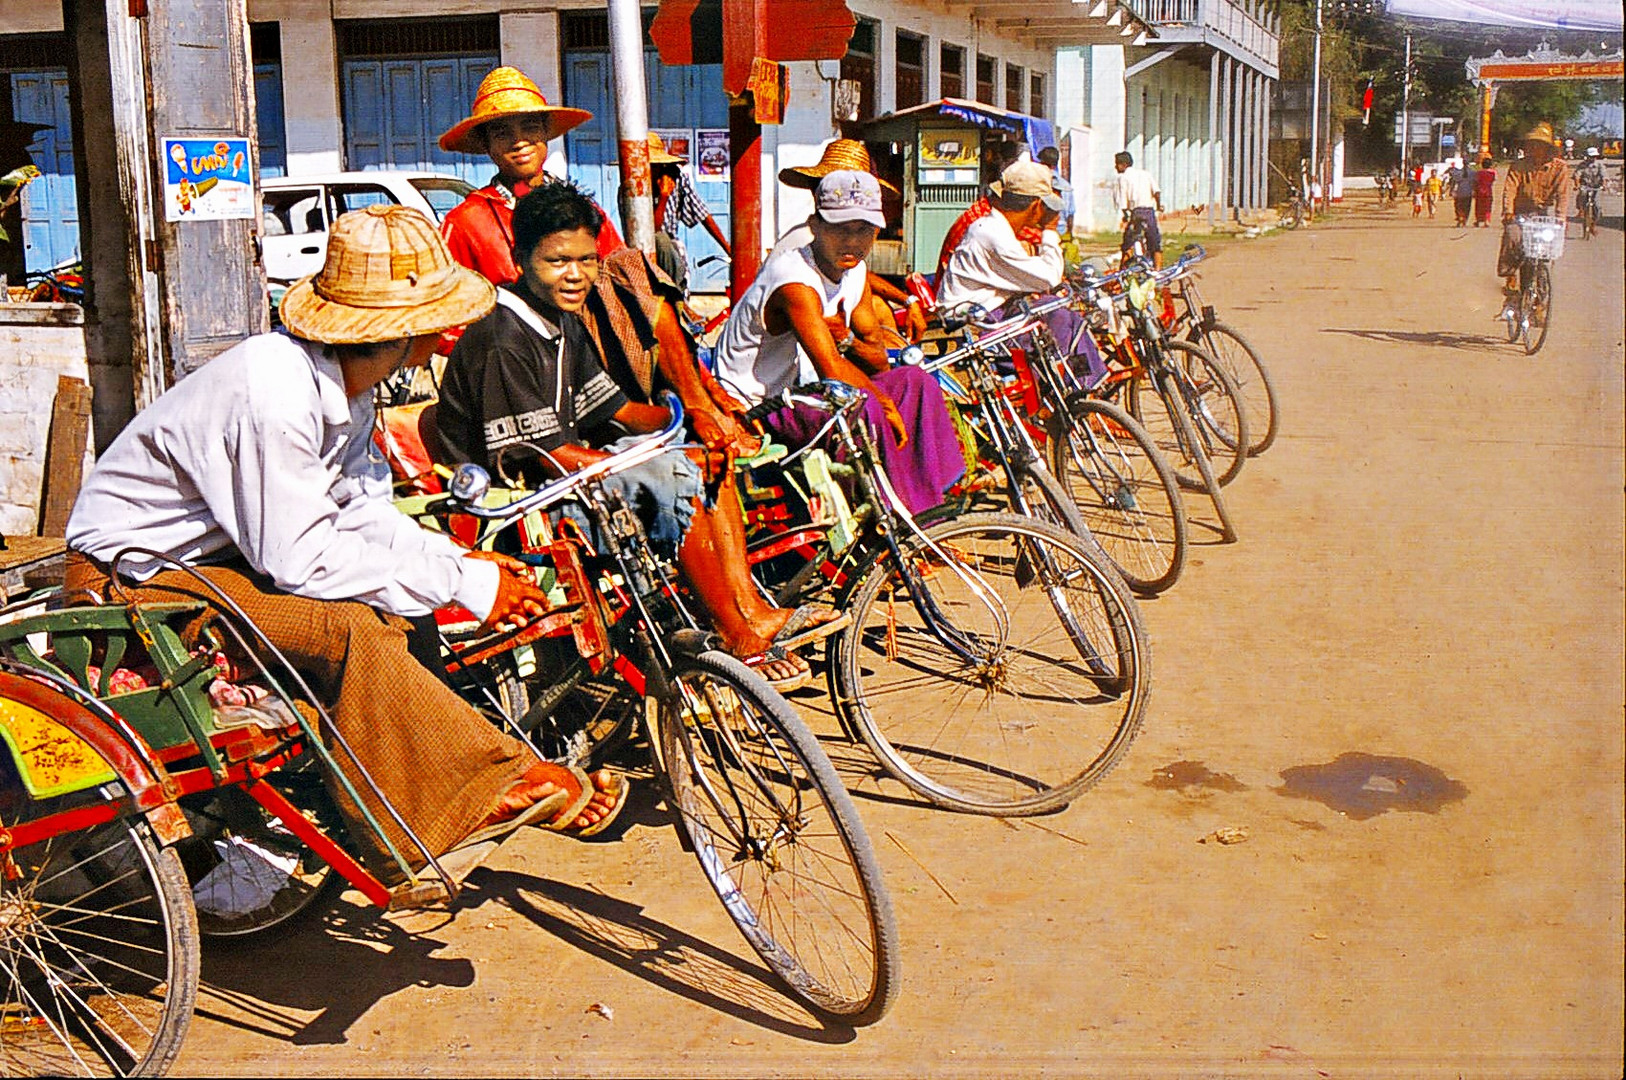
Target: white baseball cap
{"x": 1027, "y": 177}
{"x": 849, "y": 195}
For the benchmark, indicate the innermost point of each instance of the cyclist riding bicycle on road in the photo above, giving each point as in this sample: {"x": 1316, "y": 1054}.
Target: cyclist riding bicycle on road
{"x": 1536, "y": 184}
{"x": 1588, "y": 183}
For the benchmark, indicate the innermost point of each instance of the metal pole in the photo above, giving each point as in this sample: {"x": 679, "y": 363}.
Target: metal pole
{"x": 1405, "y": 110}
{"x": 745, "y": 147}
{"x": 632, "y": 121}
{"x": 1315, "y": 95}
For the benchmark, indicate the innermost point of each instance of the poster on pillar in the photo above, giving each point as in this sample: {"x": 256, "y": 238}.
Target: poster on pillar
{"x": 207, "y": 180}
{"x": 711, "y": 154}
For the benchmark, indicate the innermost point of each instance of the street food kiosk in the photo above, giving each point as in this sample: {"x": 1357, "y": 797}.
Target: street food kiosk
{"x": 940, "y": 155}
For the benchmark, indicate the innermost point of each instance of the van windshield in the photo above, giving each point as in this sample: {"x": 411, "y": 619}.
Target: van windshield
{"x": 441, "y": 193}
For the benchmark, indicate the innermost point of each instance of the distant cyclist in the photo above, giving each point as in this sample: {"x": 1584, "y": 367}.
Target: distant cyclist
{"x": 1588, "y": 184}
{"x": 1536, "y": 184}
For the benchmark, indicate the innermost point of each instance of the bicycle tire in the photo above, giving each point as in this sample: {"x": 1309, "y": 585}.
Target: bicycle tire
{"x": 1241, "y": 361}
{"x": 101, "y": 963}
{"x": 1004, "y": 733}
{"x": 1127, "y": 493}
{"x": 1539, "y": 298}
{"x": 1215, "y": 407}
{"x": 251, "y": 878}
{"x": 1171, "y": 429}
{"x": 1051, "y": 502}
{"x": 732, "y": 748}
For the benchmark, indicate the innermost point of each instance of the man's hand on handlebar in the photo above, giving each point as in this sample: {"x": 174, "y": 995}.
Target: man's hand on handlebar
{"x": 518, "y": 599}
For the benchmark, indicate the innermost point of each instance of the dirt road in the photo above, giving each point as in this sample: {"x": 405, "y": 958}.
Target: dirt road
{"x": 1404, "y": 684}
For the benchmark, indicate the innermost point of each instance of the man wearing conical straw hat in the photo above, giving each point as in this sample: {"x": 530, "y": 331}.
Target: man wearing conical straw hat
{"x": 512, "y": 123}
{"x": 848, "y": 155}
{"x": 1537, "y": 183}
{"x": 257, "y": 471}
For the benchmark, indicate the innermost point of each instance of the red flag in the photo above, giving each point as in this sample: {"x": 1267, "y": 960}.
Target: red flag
{"x": 1366, "y": 103}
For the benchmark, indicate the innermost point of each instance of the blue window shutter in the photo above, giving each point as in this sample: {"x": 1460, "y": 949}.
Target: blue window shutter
{"x": 268, "y": 119}
{"x": 363, "y": 114}
{"x": 51, "y": 203}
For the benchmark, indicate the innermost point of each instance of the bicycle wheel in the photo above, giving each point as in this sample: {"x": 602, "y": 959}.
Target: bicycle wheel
{"x": 1536, "y": 309}
{"x": 1011, "y": 706}
{"x": 1170, "y": 426}
{"x": 778, "y": 838}
{"x": 1210, "y": 398}
{"x": 251, "y": 876}
{"x": 1125, "y": 490}
{"x": 1241, "y": 362}
{"x": 100, "y": 960}
{"x": 1050, "y": 501}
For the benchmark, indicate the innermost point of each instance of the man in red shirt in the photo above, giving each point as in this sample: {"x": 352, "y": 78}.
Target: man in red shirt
{"x": 511, "y": 122}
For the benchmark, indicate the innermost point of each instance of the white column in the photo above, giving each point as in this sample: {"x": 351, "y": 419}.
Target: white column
{"x": 886, "y": 68}
{"x": 1216, "y": 138}
{"x": 310, "y": 89}
{"x": 530, "y": 41}
{"x": 1070, "y": 88}
{"x": 1107, "y": 119}
{"x": 1264, "y": 169}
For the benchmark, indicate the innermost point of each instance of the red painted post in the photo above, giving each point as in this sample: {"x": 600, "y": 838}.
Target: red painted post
{"x": 745, "y": 148}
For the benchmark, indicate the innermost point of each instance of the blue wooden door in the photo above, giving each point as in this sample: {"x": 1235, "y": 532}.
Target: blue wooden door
{"x": 396, "y": 109}
{"x": 689, "y": 97}
{"x": 268, "y": 120}
{"x": 51, "y": 203}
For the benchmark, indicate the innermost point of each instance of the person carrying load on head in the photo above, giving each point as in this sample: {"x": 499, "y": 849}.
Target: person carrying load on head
{"x": 257, "y": 471}
{"x": 809, "y": 315}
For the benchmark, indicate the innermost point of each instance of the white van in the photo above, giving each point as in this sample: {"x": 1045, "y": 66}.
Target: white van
{"x": 295, "y": 212}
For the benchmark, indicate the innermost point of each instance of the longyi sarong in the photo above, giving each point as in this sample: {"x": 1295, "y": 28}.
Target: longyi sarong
{"x": 921, "y": 471}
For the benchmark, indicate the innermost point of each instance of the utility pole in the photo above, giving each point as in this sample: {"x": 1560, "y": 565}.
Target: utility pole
{"x": 1315, "y": 97}
{"x": 1405, "y": 110}
{"x": 632, "y": 121}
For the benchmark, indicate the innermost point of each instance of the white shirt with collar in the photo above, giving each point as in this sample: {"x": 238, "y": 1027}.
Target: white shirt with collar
{"x": 992, "y": 266}
{"x": 260, "y": 450}
{"x": 1133, "y": 189}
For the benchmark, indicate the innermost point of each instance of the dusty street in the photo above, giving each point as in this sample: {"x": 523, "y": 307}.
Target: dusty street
{"x": 1404, "y": 684}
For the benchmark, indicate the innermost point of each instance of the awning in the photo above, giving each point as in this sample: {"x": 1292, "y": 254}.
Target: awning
{"x": 1058, "y": 24}
{"x": 1036, "y": 131}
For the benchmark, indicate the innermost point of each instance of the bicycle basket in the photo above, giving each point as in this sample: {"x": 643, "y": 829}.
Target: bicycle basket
{"x": 1543, "y": 237}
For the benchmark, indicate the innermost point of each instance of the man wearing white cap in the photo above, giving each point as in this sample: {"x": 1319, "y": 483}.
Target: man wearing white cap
{"x": 992, "y": 267}
{"x": 810, "y": 315}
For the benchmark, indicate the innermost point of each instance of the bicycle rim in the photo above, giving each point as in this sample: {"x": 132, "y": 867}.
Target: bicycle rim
{"x": 1538, "y": 310}
{"x": 1047, "y": 704}
{"x": 1171, "y": 429}
{"x": 1124, "y": 489}
{"x": 1215, "y": 406}
{"x": 100, "y": 958}
{"x": 778, "y": 838}
{"x": 1257, "y": 393}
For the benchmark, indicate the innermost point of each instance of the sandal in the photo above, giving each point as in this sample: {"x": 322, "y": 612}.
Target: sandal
{"x": 618, "y": 803}
{"x": 775, "y": 654}
{"x": 801, "y": 629}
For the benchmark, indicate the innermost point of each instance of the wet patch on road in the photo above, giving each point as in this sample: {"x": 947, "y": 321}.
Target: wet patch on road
{"x": 1193, "y": 779}
{"x": 1362, "y": 786}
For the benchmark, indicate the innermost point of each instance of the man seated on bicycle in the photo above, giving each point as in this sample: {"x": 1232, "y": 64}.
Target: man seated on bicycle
{"x": 257, "y": 471}
{"x": 525, "y": 391}
{"x": 1536, "y": 184}
{"x": 993, "y": 264}
{"x": 810, "y": 315}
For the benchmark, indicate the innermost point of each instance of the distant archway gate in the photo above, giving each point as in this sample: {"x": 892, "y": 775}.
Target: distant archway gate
{"x": 1539, "y": 65}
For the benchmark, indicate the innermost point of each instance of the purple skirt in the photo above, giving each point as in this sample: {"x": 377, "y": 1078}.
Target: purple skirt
{"x": 921, "y": 471}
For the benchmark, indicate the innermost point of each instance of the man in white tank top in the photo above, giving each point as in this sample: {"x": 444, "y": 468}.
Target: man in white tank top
{"x": 809, "y": 315}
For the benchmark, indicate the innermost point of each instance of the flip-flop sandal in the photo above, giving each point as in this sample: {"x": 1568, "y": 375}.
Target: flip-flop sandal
{"x": 543, "y": 810}
{"x": 803, "y": 676}
{"x": 800, "y": 629}
{"x": 623, "y": 791}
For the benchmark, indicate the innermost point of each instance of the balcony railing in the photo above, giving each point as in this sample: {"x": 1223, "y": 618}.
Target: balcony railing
{"x": 1224, "y": 18}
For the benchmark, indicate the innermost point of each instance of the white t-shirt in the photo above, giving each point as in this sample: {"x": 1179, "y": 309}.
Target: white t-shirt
{"x": 757, "y": 364}
{"x": 1134, "y": 188}
{"x": 992, "y": 266}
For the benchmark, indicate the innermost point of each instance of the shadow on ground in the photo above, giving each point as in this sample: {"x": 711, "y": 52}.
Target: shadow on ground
{"x": 1445, "y": 339}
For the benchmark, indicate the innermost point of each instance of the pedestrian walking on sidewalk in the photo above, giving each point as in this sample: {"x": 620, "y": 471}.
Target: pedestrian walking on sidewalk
{"x": 1484, "y": 190}
{"x": 1462, "y": 192}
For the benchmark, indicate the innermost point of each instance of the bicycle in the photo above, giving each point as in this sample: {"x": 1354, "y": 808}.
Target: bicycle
{"x": 1200, "y": 324}
{"x": 1586, "y": 204}
{"x": 1197, "y": 420}
{"x": 1124, "y": 496}
{"x": 995, "y": 663}
{"x": 1295, "y": 211}
{"x": 756, "y": 799}
{"x": 1528, "y": 317}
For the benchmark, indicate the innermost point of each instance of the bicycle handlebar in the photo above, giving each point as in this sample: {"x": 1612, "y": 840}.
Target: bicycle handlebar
{"x": 470, "y": 482}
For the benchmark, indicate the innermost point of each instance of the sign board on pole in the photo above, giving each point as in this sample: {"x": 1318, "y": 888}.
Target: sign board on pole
{"x": 1420, "y": 130}
{"x": 207, "y": 180}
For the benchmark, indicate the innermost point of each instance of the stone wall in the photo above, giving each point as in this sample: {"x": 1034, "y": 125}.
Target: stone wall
{"x": 31, "y": 359}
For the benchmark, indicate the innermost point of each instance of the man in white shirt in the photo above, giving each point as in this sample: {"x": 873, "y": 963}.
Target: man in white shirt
{"x": 1139, "y": 201}
{"x": 257, "y": 472}
{"x": 992, "y": 267}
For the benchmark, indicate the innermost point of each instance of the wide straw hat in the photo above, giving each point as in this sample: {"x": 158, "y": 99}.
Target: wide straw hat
{"x": 843, "y": 155}
{"x": 1541, "y": 133}
{"x": 507, "y": 92}
{"x": 388, "y": 276}
{"x": 659, "y": 155}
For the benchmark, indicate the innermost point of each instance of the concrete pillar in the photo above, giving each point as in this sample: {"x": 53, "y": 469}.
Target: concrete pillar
{"x": 1107, "y": 119}
{"x": 1071, "y": 88}
{"x": 931, "y": 49}
{"x": 1264, "y": 171}
{"x": 1216, "y": 138}
{"x": 886, "y": 68}
{"x": 1238, "y": 136}
{"x": 530, "y": 41}
{"x": 310, "y": 89}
